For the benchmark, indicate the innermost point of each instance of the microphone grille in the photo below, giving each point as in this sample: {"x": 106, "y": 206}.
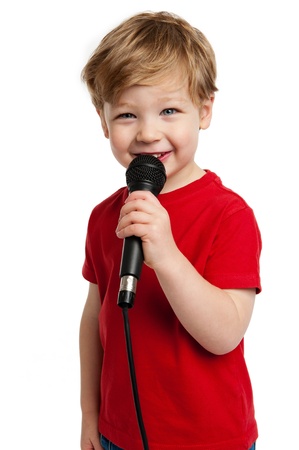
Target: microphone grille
{"x": 146, "y": 170}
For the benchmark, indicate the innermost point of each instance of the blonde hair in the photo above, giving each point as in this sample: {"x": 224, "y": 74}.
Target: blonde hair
{"x": 146, "y": 49}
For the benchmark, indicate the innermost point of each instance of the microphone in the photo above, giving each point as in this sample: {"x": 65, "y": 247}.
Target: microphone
{"x": 144, "y": 173}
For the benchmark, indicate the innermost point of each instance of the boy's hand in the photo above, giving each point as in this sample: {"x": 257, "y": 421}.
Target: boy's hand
{"x": 143, "y": 215}
{"x": 90, "y": 438}
{"x": 91, "y": 443}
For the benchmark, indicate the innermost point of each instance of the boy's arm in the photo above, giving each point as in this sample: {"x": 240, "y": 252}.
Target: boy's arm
{"x": 91, "y": 354}
{"x": 216, "y": 318}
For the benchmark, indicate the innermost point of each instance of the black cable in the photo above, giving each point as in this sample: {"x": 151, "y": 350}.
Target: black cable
{"x": 133, "y": 378}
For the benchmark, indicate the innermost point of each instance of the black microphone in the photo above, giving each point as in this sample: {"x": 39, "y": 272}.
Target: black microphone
{"x": 145, "y": 173}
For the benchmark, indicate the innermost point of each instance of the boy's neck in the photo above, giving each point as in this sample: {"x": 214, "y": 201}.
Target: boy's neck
{"x": 180, "y": 180}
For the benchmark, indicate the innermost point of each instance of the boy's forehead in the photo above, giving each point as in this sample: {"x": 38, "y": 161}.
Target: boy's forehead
{"x": 169, "y": 84}
{"x": 167, "y": 89}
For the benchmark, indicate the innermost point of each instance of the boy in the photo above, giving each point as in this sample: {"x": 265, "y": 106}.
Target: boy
{"x": 152, "y": 82}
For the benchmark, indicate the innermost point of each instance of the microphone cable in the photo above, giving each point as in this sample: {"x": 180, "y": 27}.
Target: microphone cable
{"x": 133, "y": 377}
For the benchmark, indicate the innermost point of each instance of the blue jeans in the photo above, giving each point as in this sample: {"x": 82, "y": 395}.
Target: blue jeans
{"x": 107, "y": 445}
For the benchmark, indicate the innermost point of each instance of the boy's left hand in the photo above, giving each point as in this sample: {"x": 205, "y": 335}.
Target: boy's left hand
{"x": 143, "y": 215}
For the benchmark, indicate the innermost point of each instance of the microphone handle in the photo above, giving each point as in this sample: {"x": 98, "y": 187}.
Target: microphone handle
{"x": 132, "y": 257}
{"x": 130, "y": 270}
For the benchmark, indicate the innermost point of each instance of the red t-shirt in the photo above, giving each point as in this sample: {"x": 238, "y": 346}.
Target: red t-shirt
{"x": 190, "y": 399}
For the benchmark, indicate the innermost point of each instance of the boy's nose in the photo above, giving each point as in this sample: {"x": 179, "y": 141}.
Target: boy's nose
{"x": 148, "y": 132}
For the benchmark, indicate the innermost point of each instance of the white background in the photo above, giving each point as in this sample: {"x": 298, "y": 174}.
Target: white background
{"x": 56, "y": 166}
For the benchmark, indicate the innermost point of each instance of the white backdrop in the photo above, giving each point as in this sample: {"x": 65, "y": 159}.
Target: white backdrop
{"x": 56, "y": 166}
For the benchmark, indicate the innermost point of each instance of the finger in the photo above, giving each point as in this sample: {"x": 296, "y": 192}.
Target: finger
{"x": 132, "y": 218}
{"x": 134, "y": 229}
{"x": 142, "y": 195}
{"x": 141, "y": 205}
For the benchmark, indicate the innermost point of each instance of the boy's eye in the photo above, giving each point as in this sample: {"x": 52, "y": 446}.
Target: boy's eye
{"x": 168, "y": 111}
{"x": 126, "y": 116}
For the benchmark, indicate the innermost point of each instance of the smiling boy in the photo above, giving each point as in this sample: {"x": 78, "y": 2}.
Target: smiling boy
{"x": 152, "y": 82}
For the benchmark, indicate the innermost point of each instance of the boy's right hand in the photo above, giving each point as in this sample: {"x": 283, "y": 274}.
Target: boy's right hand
{"x": 90, "y": 437}
{"x": 91, "y": 442}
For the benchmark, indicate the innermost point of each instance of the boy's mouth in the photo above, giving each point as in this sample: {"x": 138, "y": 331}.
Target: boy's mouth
{"x": 156, "y": 155}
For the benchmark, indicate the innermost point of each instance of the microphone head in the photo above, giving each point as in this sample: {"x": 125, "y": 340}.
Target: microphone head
{"x": 146, "y": 173}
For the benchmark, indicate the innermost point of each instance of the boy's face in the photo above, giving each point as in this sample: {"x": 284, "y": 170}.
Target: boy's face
{"x": 160, "y": 120}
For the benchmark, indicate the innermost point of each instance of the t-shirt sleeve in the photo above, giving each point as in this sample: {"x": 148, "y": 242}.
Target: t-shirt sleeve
{"x": 88, "y": 271}
{"x": 234, "y": 259}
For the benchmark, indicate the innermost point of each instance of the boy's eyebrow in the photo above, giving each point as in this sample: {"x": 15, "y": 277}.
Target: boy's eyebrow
{"x": 171, "y": 98}
{"x": 122, "y": 104}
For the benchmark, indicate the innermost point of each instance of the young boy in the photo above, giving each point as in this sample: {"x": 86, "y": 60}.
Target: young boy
{"x": 152, "y": 82}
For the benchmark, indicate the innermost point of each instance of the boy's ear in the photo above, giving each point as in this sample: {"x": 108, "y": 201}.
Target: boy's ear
{"x": 103, "y": 122}
{"x": 205, "y": 113}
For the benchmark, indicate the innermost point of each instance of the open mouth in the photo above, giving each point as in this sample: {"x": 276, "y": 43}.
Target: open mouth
{"x": 157, "y": 155}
